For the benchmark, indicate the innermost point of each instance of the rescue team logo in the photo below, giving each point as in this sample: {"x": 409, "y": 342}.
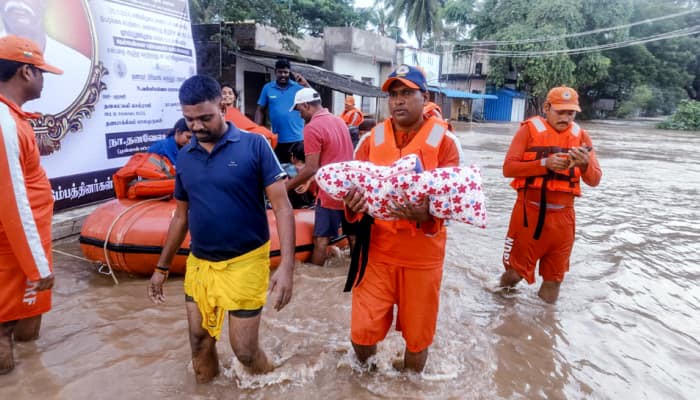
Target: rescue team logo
{"x": 507, "y": 248}
{"x": 402, "y": 70}
{"x": 30, "y": 293}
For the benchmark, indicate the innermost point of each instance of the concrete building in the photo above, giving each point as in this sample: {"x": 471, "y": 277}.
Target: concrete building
{"x": 465, "y": 71}
{"x": 364, "y": 56}
{"x": 464, "y": 74}
{"x": 251, "y": 50}
{"x": 264, "y": 42}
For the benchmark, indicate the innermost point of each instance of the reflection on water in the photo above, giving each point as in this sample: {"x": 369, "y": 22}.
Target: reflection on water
{"x": 625, "y": 326}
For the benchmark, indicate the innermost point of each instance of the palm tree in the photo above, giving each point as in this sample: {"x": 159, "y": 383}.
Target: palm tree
{"x": 422, "y": 16}
{"x": 206, "y": 11}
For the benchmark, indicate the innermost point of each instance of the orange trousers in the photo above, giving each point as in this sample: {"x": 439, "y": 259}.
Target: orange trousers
{"x": 521, "y": 252}
{"x": 19, "y": 299}
{"x": 415, "y": 291}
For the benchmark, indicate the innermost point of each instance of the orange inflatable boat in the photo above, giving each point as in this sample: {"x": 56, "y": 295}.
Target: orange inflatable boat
{"x": 135, "y": 232}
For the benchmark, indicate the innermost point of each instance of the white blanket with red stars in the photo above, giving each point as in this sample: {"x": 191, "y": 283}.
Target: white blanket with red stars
{"x": 454, "y": 193}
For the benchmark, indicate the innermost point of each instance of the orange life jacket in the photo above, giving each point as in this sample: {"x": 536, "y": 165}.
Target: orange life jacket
{"x": 432, "y": 110}
{"x": 425, "y": 144}
{"x": 239, "y": 119}
{"x": 351, "y": 114}
{"x": 144, "y": 175}
{"x": 543, "y": 141}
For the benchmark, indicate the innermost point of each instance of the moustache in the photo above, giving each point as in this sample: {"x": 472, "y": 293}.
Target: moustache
{"x": 202, "y": 134}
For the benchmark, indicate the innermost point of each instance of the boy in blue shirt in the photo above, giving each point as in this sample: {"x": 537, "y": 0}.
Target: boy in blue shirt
{"x": 178, "y": 137}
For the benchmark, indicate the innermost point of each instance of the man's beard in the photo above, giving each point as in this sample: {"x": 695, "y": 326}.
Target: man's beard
{"x": 207, "y": 136}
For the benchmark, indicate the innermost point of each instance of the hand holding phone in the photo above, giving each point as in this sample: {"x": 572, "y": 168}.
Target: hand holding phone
{"x": 578, "y": 156}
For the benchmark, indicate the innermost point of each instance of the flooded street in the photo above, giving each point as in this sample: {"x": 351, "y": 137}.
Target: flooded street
{"x": 625, "y": 327}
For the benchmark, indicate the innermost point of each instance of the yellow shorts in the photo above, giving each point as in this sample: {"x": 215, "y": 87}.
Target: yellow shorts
{"x": 237, "y": 284}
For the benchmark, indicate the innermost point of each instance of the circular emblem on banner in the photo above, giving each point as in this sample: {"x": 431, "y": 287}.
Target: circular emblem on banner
{"x": 402, "y": 69}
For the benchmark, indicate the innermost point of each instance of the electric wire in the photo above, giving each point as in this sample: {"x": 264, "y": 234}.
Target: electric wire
{"x": 577, "y": 34}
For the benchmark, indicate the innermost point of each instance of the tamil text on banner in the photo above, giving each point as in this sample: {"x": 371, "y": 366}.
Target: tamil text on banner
{"x": 124, "y": 61}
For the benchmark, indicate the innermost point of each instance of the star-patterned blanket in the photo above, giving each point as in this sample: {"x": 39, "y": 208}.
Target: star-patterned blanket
{"x": 454, "y": 193}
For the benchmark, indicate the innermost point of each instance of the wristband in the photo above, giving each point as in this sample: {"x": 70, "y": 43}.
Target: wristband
{"x": 161, "y": 270}
{"x": 543, "y": 162}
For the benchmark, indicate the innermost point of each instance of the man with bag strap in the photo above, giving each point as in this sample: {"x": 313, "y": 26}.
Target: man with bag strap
{"x": 401, "y": 260}
{"x": 26, "y": 274}
{"x": 547, "y": 158}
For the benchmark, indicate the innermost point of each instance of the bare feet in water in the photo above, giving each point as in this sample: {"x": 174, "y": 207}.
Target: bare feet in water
{"x": 206, "y": 362}
{"x": 268, "y": 366}
{"x": 7, "y": 361}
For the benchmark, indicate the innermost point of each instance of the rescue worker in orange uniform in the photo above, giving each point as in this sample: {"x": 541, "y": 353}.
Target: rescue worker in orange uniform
{"x": 351, "y": 115}
{"x": 404, "y": 257}
{"x": 26, "y": 275}
{"x": 547, "y": 160}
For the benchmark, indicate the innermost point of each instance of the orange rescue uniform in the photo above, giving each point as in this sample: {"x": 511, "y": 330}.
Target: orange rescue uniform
{"x": 26, "y": 201}
{"x": 535, "y": 141}
{"x": 352, "y": 117}
{"x": 432, "y": 110}
{"x": 239, "y": 119}
{"x": 405, "y": 259}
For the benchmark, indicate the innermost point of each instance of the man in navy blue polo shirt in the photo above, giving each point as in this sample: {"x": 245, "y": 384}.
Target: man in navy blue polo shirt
{"x": 278, "y": 98}
{"x": 222, "y": 177}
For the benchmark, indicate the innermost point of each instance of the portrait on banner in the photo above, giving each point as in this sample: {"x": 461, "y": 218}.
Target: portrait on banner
{"x": 65, "y": 32}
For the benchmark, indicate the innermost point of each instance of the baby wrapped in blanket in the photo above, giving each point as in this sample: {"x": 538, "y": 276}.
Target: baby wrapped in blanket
{"x": 453, "y": 193}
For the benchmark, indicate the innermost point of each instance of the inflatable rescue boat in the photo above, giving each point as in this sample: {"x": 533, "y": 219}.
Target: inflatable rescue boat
{"x": 129, "y": 234}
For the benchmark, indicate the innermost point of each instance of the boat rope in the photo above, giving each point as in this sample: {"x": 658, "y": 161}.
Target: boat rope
{"x": 108, "y": 264}
{"x": 63, "y": 253}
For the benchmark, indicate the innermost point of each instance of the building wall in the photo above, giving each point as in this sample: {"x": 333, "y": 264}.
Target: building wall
{"x": 464, "y": 63}
{"x": 360, "y": 42}
{"x": 266, "y": 39}
{"x": 247, "y": 106}
{"x": 468, "y": 85}
{"x": 430, "y": 62}
{"x": 360, "y": 68}
{"x": 477, "y": 84}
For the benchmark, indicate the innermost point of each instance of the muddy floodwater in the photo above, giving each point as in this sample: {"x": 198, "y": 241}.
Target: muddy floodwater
{"x": 627, "y": 325}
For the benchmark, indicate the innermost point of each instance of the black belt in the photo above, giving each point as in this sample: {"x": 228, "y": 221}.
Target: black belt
{"x": 360, "y": 253}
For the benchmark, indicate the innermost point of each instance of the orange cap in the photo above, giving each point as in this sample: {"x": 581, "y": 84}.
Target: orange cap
{"x": 411, "y": 76}
{"x": 350, "y": 100}
{"x": 15, "y": 48}
{"x": 563, "y": 98}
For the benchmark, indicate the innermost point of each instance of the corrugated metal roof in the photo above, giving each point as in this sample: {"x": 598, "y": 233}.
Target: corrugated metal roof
{"x": 508, "y": 92}
{"x": 321, "y": 76}
{"x": 459, "y": 94}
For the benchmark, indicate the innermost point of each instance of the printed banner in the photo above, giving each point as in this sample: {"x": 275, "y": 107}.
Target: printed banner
{"x": 123, "y": 63}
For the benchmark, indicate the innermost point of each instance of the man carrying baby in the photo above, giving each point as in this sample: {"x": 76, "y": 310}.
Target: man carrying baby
{"x": 404, "y": 256}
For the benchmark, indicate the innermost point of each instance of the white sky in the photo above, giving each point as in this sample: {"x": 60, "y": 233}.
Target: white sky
{"x": 364, "y": 3}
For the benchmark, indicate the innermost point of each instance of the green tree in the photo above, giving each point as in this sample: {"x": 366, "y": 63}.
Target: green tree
{"x": 669, "y": 68}
{"x": 516, "y": 20}
{"x": 687, "y": 117}
{"x": 380, "y": 20}
{"x": 457, "y": 17}
{"x": 289, "y": 17}
{"x": 421, "y": 16}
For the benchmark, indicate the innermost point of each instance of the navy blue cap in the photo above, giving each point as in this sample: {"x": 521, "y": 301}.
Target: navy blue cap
{"x": 410, "y": 76}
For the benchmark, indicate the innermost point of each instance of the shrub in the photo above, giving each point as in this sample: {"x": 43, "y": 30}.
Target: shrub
{"x": 686, "y": 117}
